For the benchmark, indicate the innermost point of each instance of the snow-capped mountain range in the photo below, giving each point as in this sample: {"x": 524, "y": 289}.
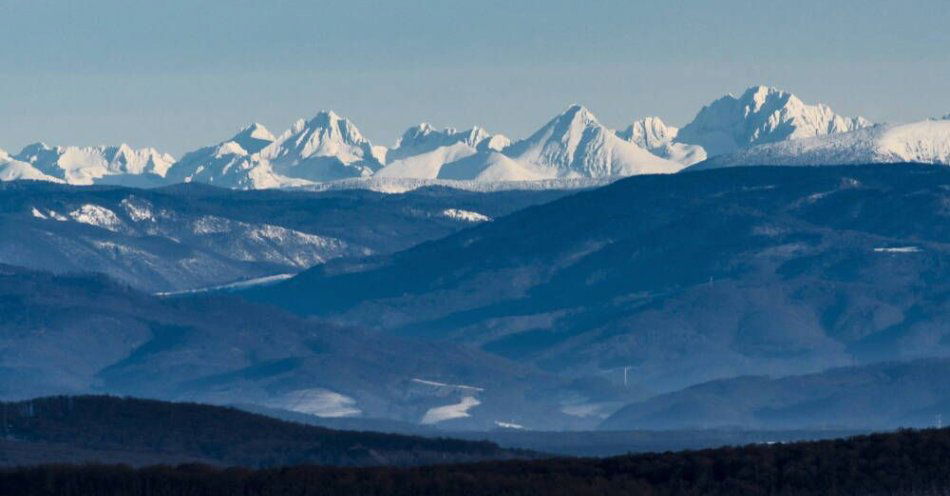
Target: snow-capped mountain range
{"x": 761, "y": 126}
{"x": 925, "y": 142}
{"x": 87, "y": 165}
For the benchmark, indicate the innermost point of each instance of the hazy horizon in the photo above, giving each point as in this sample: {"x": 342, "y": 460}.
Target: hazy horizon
{"x": 188, "y": 75}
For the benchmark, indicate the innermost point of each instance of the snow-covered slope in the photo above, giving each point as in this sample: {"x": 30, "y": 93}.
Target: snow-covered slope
{"x": 234, "y": 163}
{"x": 97, "y": 164}
{"x": 924, "y": 142}
{"x": 12, "y": 170}
{"x": 488, "y": 167}
{"x": 572, "y": 145}
{"x": 761, "y": 115}
{"x": 423, "y": 150}
{"x": 254, "y": 138}
{"x": 575, "y": 144}
{"x": 659, "y": 138}
{"x": 329, "y": 148}
{"x": 325, "y": 148}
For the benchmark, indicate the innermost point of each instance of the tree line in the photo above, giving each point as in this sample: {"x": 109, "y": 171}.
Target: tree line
{"x": 902, "y": 463}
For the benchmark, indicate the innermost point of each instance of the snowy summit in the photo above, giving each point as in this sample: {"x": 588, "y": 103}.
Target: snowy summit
{"x": 763, "y": 125}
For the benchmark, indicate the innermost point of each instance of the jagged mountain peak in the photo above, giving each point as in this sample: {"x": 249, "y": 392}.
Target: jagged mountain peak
{"x": 577, "y": 113}
{"x": 255, "y": 130}
{"x": 570, "y": 123}
{"x": 760, "y": 95}
{"x": 12, "y": 169}
{"x": 575, "y": 144}
{"x": 33, "y": 149}
{"x": 762, "y": 114}
{"x": 659, "y": 138}
{"x": 421, "y": 133}
{"x": 425, "y": 134}
{"x": 327, "y": 147}
{"x": 421, "y": 129}
{"x": 91, "y": 164}
{"x": 326, "y": 126}
{"x": 423, "y": 150}
{"x": 649, "y": 132}
{"x": 253, "y": 138}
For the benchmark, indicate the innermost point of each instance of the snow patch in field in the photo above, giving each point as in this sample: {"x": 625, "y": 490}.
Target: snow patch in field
{"x": 508, "y": 425}
{"x": 138, "y": 210}
{"x": 589, "y": 410}
{"x": 465, "y": 215}
{"x": 94, "y": 215}
{"x": 247, "y": 283}
{"x": 898, "y": 249}
{"x": 120, "y": 250}
{"x": 319, "y": 402}
{"x": 210, "y": 224}
{"x": 461, "y": 387}
{"x": 449, "y": 412}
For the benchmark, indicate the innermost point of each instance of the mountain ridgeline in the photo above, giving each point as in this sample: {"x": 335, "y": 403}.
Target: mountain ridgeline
{"x": 140, "y": 432}
{"x": 85, "y": 334}
{"x": 573, "y": 145}
{"x": 611, "y": 308}
{"x": 193, "y": 236}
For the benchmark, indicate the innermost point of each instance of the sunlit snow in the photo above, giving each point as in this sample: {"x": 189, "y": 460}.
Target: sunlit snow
{"x": 898, "y": 249}
{"x": 449, "y": 386}
{"x": 465, "y": 215}
{"x": 98, "y": 216}
{"x": 319, "y": 402}
{"x": 453, "y": 411}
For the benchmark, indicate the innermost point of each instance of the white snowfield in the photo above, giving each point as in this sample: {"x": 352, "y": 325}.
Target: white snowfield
{"x": 761, "y": 126}
{"x": 247, "y": 283}
{"x": 318, "y": 402}
{"x": 442, "y": 385}
{"x": 98, "y": 216}
{"x": 449, "y": 412}
{"x": 898, "y": 249}
{"x": 460, "y": 409}
{"x": 422, "y": 151}
{"x": 465, "y": 215}
{"x": 508, "y": 425}
{"x": 924, "y": 142}
{"x": 88, "y": 165}
{"x": 401, "y": 185}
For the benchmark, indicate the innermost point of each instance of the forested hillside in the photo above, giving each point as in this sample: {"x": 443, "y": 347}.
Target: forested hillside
{"x": 133, "y": 431}
{"x": 899, "y": 464}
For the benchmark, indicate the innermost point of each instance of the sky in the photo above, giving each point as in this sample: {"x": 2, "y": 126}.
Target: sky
{"x": 181, "y": 74}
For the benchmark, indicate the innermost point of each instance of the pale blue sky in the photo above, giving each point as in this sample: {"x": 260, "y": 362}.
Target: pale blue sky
{"x": 178, "y": 74}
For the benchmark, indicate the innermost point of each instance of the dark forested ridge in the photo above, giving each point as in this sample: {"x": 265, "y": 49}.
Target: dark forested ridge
{"x": 86, "y": 334}
{"x": 134, "y": 431}
{"x": 875, "y": 397}
{"x": 902, "y": 463}
{"x": 677, "y": 279}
